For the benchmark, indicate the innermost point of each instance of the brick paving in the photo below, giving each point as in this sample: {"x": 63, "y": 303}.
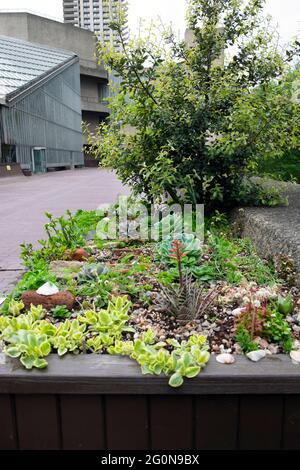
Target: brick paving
{"x": 24, "y": 200}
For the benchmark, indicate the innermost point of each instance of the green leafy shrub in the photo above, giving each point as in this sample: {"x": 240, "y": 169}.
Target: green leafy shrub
{"x": 199, "y": 124}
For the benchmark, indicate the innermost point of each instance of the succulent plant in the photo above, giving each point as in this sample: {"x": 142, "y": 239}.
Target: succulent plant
{"x": 187, "y": 302}
{"x": 192, "y": 248}
{"x": 91, "y": 272}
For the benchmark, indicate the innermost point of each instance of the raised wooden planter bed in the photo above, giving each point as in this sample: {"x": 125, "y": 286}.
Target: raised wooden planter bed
{"x": 103, "y": 402}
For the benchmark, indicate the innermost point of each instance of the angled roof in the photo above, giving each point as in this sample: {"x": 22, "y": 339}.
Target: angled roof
{"x": 23, "y": 63}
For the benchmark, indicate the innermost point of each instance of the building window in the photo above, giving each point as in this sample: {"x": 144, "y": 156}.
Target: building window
{"x": 8, "y": 154}
{"x": 103, "y": 91}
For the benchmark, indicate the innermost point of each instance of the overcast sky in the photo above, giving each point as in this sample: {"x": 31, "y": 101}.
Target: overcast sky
{"x": 286, "y": 13}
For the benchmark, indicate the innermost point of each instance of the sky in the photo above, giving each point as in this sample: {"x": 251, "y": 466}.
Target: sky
{"x": 286, "y": 13}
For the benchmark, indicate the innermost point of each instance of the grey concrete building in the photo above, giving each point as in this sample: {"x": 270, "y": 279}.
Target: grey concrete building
{"x": 95, "y": 15}
{"x": 40, "y": 107}
{"x": 93, "y": 77}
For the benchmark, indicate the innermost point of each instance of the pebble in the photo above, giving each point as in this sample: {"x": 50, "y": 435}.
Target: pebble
{"x": 295, "y": 356}
{"x": 273, "y": 348}
{"x": 237, "y": 348}
{"x": 256, "y": 356}
{"x": 225, "y": 358}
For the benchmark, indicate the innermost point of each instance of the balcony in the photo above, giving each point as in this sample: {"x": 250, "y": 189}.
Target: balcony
{"x": 94, "y": 105}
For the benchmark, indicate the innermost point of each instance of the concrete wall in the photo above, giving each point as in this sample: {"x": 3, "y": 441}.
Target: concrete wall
{"x": 89, "y": 87}
{"x": 49, "y": 32}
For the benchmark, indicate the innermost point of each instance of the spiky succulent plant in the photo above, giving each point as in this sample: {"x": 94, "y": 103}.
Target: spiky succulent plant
{"x": 188, "y": 301}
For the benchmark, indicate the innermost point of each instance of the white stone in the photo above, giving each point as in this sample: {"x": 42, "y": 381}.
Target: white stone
{"x": 295, "y": 356}
{"x": 256, "y": 356}
{"x": 48, "y": 289}
{"x": 2, "y": 300}
{"x": 225, "y": 358}
{"x": 236, "y": 312}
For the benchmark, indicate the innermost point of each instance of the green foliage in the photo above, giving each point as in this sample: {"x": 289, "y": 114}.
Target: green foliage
{"x": 265, "y": 321}
{"x": 198, "y": 125}
{"x": 188, "y": 301}
{"x": 107, "y": 326}
{"x": 184, "y": 361}
{"x": 61, "y": 311}
{"x": 30, "y": 347}
{"x": 69, "y": 336}
{"x": 15, "y": 307}
{"x": 286, "y": 168}
{"x": 91, "y": 272}
{"x": 192, "y": 249}
{"x": 231, "y": 260}
{"x": 276, "y": 329}
{"x": 244, "y": 339}
{"x": 65, "y": 232}
{"x": 87, "y": 221}
{"x": 285, "y": 305}
{"x": 33, "y": 279}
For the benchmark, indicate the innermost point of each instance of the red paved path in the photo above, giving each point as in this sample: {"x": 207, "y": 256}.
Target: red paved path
{"x": 24, "y": 200}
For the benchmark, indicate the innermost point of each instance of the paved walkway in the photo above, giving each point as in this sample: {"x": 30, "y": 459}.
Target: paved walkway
{"x": 24, "y": 200}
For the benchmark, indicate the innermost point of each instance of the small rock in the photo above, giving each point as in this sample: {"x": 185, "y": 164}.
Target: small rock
{"x": 296, "y": 344}
{"x": 296, "y": 328}
{"x": 237, "y": 311}
{"x": 256, "y": 356}
{"x": 225, "y": 358}
{"x": 295, "y": 356}
{"x": 206, "y": 324}
{"x": 80, "y": 254}
{"x": 262, "y": 343}
{"x": 273, "y": 348}
{"x": 60, "y": 268}
{"x": 48, "y": 289}
{"x": 237, "y": 348}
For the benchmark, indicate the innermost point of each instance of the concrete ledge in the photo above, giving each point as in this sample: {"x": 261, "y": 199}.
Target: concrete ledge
{"x": 273, "y": 231}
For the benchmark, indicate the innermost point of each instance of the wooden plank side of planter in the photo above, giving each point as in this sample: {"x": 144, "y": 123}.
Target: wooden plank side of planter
{"x": 104, "y": 375}
{"x": 171, "y": 423}
{"x": 291, "y": 425}
{"x": 260, "y": 422}
{"x": 127, "y": 422}
{"x": 8, "y": 433}
{"x": 38, "y": 422}
{"x": 217, "y": 422}
{"x": 82, "y": 422}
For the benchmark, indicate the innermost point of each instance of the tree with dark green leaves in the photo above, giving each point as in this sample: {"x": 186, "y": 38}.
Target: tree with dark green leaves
{"x": 186, "y": 124}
